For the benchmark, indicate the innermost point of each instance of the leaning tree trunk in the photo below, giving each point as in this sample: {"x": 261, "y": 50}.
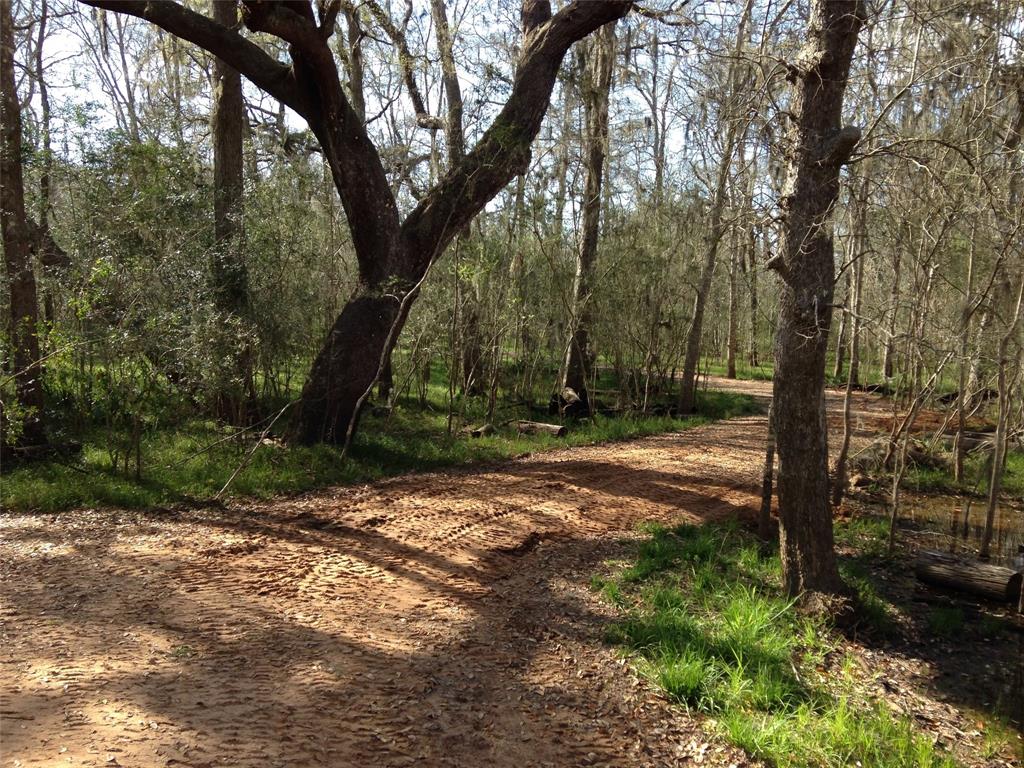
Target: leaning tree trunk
{"x": 24, "y": 310}
{"x": 820, "y": 146}
{"x": 595, "y": 88}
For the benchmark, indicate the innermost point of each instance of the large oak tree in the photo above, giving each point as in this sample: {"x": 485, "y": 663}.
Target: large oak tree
{"x": 393, "y": 254}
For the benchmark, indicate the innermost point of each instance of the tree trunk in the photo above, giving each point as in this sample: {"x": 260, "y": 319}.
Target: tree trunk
{"x": 732, "y": 341}
{"x": 837, "y": 370}
{"x": 752, "y": 355}
{"x": 236, "y": 397}
{"x": 595, "y": 87}
{"x": 688, "y": 389}
{"x": 764, "y": 518}
{"x": 999, "y": 456}
{"x": 24, "y": 310}
{"x": 889, "y": 355}
{"x": 821, "y": 145}
{"x": 989, "y": 581}
{"x": 352, "y": 51}
{"x": 959, "y": 451}
{"x": 344, "y": 371}
{"x": 858, "y": 290}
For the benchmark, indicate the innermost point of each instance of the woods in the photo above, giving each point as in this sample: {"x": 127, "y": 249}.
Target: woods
{"x": 259, "y": 248}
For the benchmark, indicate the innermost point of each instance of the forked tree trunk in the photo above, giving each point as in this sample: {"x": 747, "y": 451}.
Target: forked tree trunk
{"x": 27, "y": 421}
{"x": 595, "y": 87}
{"x": 821, "y": 145}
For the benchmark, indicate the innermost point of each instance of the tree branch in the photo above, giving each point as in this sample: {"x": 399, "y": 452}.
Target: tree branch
{"x": 504, "y": 150}
{"x": 230, "y": 46}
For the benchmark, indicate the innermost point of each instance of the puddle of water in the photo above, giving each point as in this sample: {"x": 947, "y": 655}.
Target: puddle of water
{"x": 956, "y": 524}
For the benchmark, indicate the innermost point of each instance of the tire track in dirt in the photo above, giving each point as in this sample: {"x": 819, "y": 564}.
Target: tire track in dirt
{"x": 438, "y": 619}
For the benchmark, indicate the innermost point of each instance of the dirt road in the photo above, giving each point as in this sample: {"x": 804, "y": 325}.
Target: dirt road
{"x": 438, "y": 619}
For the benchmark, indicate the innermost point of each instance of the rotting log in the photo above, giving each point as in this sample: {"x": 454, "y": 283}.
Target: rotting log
{"x": 482, "y": 431}
{"x": 994, "y": 582}
{"x": 539, "y": 427}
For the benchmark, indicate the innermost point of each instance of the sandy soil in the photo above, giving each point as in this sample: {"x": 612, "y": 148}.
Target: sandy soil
{"x": 438, "y": 619}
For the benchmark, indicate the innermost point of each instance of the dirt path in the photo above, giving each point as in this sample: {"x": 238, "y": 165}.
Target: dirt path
{"x": 437, "y": 619}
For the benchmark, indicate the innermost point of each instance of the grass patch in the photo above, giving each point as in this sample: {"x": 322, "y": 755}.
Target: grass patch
{"x": 705, "y": 618}
{"x": 176, "y": 466}
{"x": 976, "y": 477}
{"x": 946, "y": 621}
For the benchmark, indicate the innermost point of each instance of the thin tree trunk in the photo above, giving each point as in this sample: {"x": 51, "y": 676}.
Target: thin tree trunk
{"x": 688, "y": 389}
{"x": 752, "y": 355}
{"x": 821, "y": 145}
{"x": 889, "y": 355}
{"x": 27, "y": 421}
{"x": 596, "y": 87}
{"x": 764, "y": 519}
{"x": 837, "y": 370}
{"x": 959, "y": 452}
{"x": 999, "y": 453}
{"x": 732, "y": 341}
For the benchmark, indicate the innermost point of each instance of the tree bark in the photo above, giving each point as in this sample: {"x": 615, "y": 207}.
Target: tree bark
{"x": 820, "y": 146}
{"x": 14, "y": 229}
{"x": 595, "y": 87}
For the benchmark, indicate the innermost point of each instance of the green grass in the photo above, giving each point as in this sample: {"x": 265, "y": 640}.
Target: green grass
{"x": 946, "y": 622}
{"x": 932, "y": 480}
{"x": 704, "y": 617}
{"x": 744, "y": 370}
{"x": 410, "y": 440}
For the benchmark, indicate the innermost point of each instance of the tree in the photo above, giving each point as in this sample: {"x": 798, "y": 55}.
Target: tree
{"x": 230, "y": 279}
{"x": 25, "y": 363}
{"x": 393, "y": 255}
{"x": 735, "y": 127}
{"x": 820, "y": 146}
{"x": 595, "y": 88}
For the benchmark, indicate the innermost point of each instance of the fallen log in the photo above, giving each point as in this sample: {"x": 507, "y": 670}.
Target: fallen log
{"x": 482, "y": 431}
{"x": 538, "y": 427}
{"x": 983, "y": 579}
